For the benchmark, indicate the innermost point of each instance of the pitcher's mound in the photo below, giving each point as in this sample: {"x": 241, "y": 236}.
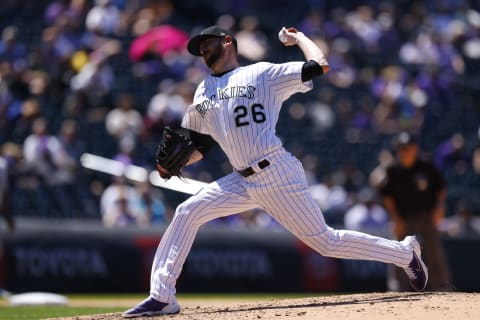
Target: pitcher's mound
{"x": 369, "y": 306}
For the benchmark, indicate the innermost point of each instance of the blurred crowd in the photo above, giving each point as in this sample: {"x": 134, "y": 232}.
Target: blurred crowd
{"x": 105, "y": 76}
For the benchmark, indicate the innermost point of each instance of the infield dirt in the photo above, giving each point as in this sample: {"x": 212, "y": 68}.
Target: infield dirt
{"x": 371, "y": 306}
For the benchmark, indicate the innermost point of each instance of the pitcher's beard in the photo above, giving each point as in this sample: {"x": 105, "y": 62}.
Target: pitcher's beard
{"x": 216, "y": 54}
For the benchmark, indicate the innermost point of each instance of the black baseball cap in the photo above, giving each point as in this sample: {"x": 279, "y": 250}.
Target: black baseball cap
{"x": 213, "y": 31}
{"x": 404, "y": 139}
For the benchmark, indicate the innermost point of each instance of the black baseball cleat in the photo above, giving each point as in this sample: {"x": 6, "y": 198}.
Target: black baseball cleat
{"x": 416, "y": 271}
{"x": 151, "y": 307}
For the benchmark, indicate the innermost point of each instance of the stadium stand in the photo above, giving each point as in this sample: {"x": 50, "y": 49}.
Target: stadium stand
{"x": 396, "y": 65}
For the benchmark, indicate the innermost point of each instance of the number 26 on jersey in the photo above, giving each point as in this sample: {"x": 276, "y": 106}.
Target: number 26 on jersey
{"x": 243, "y": 114}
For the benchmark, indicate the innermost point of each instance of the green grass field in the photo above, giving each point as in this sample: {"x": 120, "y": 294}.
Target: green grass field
{"x": 43, "y": 312}
{"x": 85, "y": 304}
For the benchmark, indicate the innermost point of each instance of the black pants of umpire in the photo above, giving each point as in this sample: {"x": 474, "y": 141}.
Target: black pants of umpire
{"x": 432, "y": 253}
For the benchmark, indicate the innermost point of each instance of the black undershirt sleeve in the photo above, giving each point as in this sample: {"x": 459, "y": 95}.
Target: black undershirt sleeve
{"x": 310, "y": 70}
{"x": 203, "y": 142}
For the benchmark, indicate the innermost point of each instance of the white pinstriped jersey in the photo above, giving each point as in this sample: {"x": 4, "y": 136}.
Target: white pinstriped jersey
{"x": 240, "y": 109}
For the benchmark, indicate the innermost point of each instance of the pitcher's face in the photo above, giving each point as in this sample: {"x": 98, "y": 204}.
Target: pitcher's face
{"x": 211, "y": 50}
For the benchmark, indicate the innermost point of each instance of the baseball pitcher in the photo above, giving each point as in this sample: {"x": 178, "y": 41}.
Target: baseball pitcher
{"x": 238, "y": 107}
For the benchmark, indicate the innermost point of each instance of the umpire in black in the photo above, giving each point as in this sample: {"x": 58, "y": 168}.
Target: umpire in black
{"x": 414, "y": 194}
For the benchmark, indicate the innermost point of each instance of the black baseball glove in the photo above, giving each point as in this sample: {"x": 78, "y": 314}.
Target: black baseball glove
{"x": 173, "y": 153}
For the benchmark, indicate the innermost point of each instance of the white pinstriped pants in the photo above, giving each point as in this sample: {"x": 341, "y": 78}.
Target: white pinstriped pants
{"x": 282, "y": 191}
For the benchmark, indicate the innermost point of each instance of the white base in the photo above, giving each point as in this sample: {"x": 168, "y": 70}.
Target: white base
{"x": 37, "y": 298}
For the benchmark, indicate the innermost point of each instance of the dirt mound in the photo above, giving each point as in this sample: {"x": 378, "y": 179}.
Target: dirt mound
{"x": 371, "y": 306}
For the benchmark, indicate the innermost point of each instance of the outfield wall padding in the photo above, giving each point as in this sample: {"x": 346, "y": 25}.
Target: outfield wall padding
{"x": 91, "y": 259}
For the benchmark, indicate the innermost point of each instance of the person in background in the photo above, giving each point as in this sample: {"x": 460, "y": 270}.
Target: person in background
{"x": 120, "y": 214}
{"x": 46, "y": 156}
{"x": 414, "y": 193}
{"x": 366, "y": 215}
{"x": 464, "y": 222}
{"x": 5, "y": 195}
{"x": 118, "y": 203}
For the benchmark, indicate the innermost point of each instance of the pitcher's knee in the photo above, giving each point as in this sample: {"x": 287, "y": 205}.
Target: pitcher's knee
{"x": 189, "y": 212}
{"x": 185, "y": 213}
{"x": 321, "y": 242}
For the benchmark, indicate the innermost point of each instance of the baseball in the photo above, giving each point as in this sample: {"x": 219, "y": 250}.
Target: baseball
{"x": 281, "y": 35}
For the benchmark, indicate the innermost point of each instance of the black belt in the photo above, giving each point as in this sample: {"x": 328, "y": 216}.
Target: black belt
{"x": 249, "y": 171}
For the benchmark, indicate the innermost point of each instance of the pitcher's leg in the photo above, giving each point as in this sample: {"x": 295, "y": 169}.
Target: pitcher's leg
{"x": 309, "y": 226}
{"x": 349, "y": 244}
{"x": 291, "y": 204}
{"x": 221, "y": 198}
